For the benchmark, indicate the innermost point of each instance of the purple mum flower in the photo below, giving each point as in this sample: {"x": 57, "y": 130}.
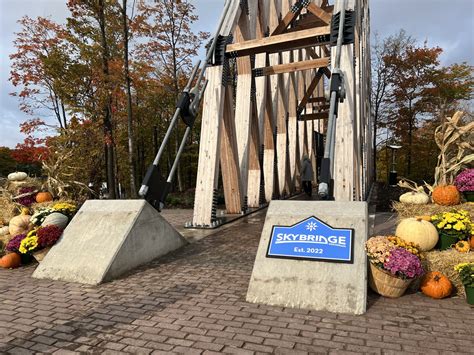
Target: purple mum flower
{"x": 404, "y": 264}
{"x": 14, "y": 244}
{"x": 465, "y": 180}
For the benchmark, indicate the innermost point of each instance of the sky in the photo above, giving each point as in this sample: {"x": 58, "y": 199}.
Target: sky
{"x": 448, "y": 24}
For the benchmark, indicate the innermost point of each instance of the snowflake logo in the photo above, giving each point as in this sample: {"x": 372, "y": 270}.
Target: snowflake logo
{"x": 311, "y": 226}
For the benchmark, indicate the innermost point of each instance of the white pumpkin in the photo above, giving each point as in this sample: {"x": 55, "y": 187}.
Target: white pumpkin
{"x": 416, "y": 198}
{"x": 17, "y": 176}
{"x": 57, "y": 219}
{"x": 4, "y": 231}
{"x": 19, "y": 224}
{"x": 418, "y": 231}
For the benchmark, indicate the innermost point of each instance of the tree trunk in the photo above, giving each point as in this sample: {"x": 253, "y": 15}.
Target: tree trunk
{"x": 131, "y": 162}
{"x": 410, "y": 139}
{"x": 176, "y": 92}
{"x": 375, "y": 147}
{"x": 107, "y": 120}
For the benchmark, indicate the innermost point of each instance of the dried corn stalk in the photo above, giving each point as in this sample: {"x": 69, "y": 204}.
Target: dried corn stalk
{"x": 60, "y": 180}
{"x": 411, "y": 185}
{"x": 456, "y": 144}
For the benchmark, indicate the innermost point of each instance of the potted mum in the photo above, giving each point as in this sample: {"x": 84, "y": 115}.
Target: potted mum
{"x": 465, "y": 184}
{"x": 47, "y": 237}
{"x": 466, "y": 274}
{"x": 394, "y": 264}
{"x": 452, "y": 227}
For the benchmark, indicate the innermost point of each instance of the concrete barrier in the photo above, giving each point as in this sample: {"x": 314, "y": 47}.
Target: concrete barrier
{"x": 107, "y": 238}
{"x": 310, "y": 284}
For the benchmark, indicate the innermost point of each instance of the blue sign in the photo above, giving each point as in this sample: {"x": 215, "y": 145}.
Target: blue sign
{"x": 311, "y": 239}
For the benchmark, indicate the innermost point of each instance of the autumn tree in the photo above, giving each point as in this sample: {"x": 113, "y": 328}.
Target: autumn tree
{"x": 37, "y": 67}
{"x": 7, "y": 163}
{"x": 172, "y": 45}
{"x": 390, "y": 46}
{"x": 93, "y": 29}
{"x": 411, "y": 78}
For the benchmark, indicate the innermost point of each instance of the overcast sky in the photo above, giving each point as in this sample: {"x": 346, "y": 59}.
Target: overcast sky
{"x": 448, "y": 24}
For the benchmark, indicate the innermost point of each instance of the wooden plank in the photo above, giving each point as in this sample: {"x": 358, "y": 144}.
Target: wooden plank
{"x": 269, "y": 149}
{"x": 243, "y": 104}
{"x": 229, "y": 159}
{"x": 344, "y": 148}
{"x": 286, "y": 41}
{"x": 292, "y": 131}
{"x": 258, "y": 115}
{"x": 288, "y": 89}
{"x": 300, "y": 125}
{"x": 314, "y": 116}
{"x": 260, "y": 61}
{"x": 254, "y": 174}
{"x": 320, "y": 13}
{"x": 292, "y": 67}
{"x": 276, "y": 101}
{"x": 208, "y": 163}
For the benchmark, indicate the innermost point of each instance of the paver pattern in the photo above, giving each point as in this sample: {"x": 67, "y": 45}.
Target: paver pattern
{"x": 193, "y": 302}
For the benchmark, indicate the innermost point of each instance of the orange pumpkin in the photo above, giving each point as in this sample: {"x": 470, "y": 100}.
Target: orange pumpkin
{"x": 435, "y": 285}
{"x": 446, "y": 195}
{"x": 10, "y": 261}
{"x": 471, "y": 242}
{"x": 424, "y": 218}
{"x": 44, "y": 197}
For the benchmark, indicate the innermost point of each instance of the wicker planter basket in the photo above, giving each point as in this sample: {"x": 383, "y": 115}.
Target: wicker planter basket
{"x": 386, "y": 284}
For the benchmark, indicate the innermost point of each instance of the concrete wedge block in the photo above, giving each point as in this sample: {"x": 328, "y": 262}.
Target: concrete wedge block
{"x": 107, "y": 238}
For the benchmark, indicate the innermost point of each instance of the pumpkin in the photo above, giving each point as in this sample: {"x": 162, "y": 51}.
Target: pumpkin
{"x": 19, "y": 224}
{"x": 446, "y": 195}
{"x": 415, "y": 198}
{"x": 4, "y": 231}
{"x": 44, "y": 197}
{"x": 424, "y": 218}
{"x": 462, "y": 246}
{"x": 435, "y": 285}
{"x": 471, "y": 242}
{"x": 418, "y": 231}
{"x": 10, "y": 261}
{"x": 57, "y": 219}
{"x": 17, "y": 176}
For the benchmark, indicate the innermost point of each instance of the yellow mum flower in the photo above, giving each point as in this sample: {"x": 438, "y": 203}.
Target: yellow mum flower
{"x": 28, "y": 244}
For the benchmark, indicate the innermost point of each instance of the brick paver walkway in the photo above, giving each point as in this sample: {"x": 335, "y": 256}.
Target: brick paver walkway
{"x": 193, "y": 301}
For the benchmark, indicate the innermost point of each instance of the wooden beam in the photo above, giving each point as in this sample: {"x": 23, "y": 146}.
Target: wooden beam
{"x": 243, "y": 104}
{"x": 286, "y": 21}
{"x": 320, "y": 13}
{"x": 286, "y": 41}
{"x": 308, "y": 20}
{"x": 310, "y": 90}
{"x": 312, "y": 53}
{"x": 319, "y": 108}
{"x": 314, "y": 116}
{"x": 292, "y": 67}
{"x": 209, "y": 146}
{"x": 313, "y": 100}
{"x": 231, "y": 180}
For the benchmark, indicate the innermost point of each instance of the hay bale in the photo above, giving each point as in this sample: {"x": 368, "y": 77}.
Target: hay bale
{"x": 8, "y": 210}
{"x": 444, "y": 262}
{"x": 406, "y": 210}
{"x": 14, "y": 186}
{"x": 37, "y": 206}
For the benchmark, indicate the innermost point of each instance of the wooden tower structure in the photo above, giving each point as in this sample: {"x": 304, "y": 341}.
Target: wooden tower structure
{"x": 265, "y": 104}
